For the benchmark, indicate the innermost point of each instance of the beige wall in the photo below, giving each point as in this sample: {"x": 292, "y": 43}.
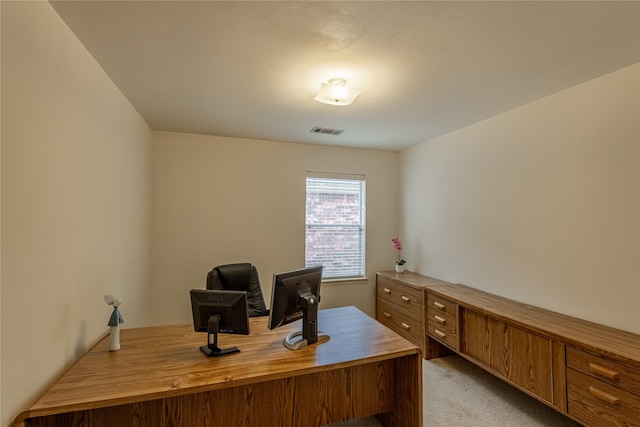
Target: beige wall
{"x": 1, "y": 417}
{"x": 1, "y": 412}
{"x": 76, "y": 195}
{"x": 220, "y": 200}
{"x": 540, "y": 204}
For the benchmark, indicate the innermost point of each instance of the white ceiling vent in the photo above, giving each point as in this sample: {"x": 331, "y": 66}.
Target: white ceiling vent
{"x": 326, "y": 131}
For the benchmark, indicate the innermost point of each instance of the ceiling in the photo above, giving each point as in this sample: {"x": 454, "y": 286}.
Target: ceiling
{"x": 251, "y": 69}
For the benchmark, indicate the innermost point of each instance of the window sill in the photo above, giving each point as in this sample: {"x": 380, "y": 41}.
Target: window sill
{"x": 345, "y": 281}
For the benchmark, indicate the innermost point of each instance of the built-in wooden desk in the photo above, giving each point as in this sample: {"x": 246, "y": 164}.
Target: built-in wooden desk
{"x": 161, "y": 378}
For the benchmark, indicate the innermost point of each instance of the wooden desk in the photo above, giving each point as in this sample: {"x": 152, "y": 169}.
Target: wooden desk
{"x": 161, "y": 378}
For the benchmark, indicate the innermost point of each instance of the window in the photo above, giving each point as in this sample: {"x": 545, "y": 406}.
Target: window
{"x": 335, "y": 224}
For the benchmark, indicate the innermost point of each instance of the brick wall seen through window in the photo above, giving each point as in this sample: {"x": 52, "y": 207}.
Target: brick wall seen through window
{"x": 335, "y": 226}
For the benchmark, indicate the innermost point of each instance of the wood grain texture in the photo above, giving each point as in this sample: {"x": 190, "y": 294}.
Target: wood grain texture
{"x": 442, "y": 320}
{"x": 559, "y": 376}
{"x": 614, "y": 373}
{"x": 586, "y": 402}
{"x": 160, "y": 370}
{"x": 614, "y": 343}
{"x": 521, "y": 357}
{"x": 411, "y": 279}
{"x": 142, "y": 414}
{"x": 434, "y": 349}
{"x": 408, "y": 397}
{"x": 392, "y": 310}
{"x": 474, "y": 333}
{"x": 534, "y": 349}
{"x": 400, "y": 307}
{"x": 401, "y": 322}
{"x": 403, "y": 295}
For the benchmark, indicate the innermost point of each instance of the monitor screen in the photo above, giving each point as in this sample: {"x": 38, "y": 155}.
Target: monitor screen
{"x": 217, "y": 311}
{"x": 295, "y": 295}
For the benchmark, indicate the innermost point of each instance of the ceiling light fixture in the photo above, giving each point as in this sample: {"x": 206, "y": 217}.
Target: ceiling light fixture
{"x": 336, "y": 92}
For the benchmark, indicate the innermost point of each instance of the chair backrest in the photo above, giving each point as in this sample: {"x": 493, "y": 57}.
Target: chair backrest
{"x": 240, "y": 277}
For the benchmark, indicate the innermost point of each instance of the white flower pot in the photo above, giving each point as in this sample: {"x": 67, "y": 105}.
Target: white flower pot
{"x": 399, "y": 268}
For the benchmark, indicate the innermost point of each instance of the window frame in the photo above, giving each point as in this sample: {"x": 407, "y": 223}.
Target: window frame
{"x": 361, "y": 225}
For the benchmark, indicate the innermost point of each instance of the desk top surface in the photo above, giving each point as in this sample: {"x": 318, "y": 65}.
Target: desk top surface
{"x": 617, "y": 344}
{"x": 165, "y": 361}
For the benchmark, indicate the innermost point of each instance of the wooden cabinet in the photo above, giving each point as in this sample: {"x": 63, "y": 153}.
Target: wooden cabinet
{"x": 442, "y": 320}
{"x": 399, "y": 306}
{"x": 601, "y": 391}
{"x": 589, "y": 372}
{"x": 514, "y": 354}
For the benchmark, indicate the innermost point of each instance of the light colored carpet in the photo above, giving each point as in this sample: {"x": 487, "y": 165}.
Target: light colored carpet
{"x": 458, "y": 393}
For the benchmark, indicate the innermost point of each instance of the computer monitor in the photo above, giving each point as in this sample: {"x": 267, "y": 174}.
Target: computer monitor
{"x": 217, "y": 311}
{"x": 295, "y": 295}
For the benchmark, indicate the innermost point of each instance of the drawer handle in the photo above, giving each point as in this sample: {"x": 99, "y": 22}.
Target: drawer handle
{"x": 404, "y": 325}
{"x": 387, "y": 290}
{"x": 440, "y": 319}
{"x": 440, "y": 334}
{"x": 438, "y": 305}
{"x": 601, "y": 370}
{"x": 406, "y": 299}
{"x": 604, "y": 396}
{"x": 387, "y": 315}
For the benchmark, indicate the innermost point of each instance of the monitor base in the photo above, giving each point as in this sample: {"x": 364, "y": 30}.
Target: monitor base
{"x": 215, "y": 352}
{"x": 295, "y": 341}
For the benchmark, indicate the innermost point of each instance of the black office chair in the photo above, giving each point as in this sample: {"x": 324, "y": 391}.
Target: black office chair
{"x": 240, "y": 277}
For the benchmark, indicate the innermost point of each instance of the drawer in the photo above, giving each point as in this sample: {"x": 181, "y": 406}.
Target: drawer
{"x": 442, "y": 320}
{"x": 400, "y": 322}
{"x": 443, "y": 333}
{"x": 443, "y": 307}
{"x": 598, "y": 403}
{"x": 607, "y": 370}
{"x": 446, "y": 319}
{"x": 407, "y": 298}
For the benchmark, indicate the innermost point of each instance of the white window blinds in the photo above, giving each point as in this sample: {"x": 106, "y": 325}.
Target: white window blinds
{"x": 335, "y": 224}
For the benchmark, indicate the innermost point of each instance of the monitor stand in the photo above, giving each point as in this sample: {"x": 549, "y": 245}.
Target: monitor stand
{"x": 295, "y": 340}
{"x": 309, "y": 334}
{"x": 212, "y": 349}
